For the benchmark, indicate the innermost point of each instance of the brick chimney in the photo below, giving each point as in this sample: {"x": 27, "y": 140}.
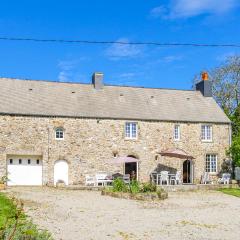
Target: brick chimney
{"x": 205, "y": 86}
{"x": 97, "y": 80}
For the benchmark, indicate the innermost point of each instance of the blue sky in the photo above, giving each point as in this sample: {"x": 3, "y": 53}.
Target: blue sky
{"x": 183, "y": 21}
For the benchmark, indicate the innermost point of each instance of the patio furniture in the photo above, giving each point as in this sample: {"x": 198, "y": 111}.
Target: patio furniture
{"x": 176, "y": 178}
{"x": 164, "y": 178}
{"x": 89, "y": 180}
{"x": 153, "y": 177}
{"x": 126, "y": 178}
{"x": 101, "y": 178}
{"x": 225, "y": 179}
{"x": 206, "y": 179}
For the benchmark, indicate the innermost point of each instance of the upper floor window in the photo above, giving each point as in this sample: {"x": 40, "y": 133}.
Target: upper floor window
{"x": 131, "y": 130}
{"x": 206, "y": 133}
{"x": 211, "y": 163}
{"x": 59, "y": 133}
{"x": 176, "y": 132}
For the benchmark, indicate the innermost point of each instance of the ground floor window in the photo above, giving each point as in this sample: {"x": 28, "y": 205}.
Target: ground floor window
{"x": 211, "y": 163}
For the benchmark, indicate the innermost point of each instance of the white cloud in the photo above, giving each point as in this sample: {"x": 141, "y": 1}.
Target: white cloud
{"x": 191, "y": 8}
{"x": 70, "y": 71}
{"x": 119, "y": 51}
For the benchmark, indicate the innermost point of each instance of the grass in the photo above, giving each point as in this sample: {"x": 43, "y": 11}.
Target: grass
{"x": 231, "y": 191}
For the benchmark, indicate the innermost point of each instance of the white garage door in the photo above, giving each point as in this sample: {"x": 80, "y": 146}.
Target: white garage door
{"x": 24, "y": 171}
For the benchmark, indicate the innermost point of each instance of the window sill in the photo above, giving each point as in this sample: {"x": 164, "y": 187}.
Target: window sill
{"x": 130, "y": 139}
{"x": 207, "y": 141}
{"x": 59, "y": 139}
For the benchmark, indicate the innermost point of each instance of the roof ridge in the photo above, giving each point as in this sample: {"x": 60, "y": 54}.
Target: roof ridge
{"x": 80, "y": 83}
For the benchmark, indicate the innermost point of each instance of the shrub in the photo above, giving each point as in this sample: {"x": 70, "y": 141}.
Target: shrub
{"x": 119, "y": 185}
{"x": 134, "y": 187}
{"x": 15, "y": 225}
{"x": 148, "y": 187}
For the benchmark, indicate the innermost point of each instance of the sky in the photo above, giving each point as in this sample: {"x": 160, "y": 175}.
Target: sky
{"x": 173, "y": 21}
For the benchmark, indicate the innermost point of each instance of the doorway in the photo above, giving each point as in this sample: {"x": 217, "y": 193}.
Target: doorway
{"x": 187, "y": 172}
{"x": 131, "y": 168}
{"x": 61, "y": 172}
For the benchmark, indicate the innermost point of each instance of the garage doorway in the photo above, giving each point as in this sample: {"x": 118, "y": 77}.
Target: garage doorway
{"x": 24, "y": 171}
{"x": 61, "y": 172}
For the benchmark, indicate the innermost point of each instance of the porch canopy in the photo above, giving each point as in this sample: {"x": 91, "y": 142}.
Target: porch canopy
{"x": 178, "y": 153}
{"x": 120, "y": 160}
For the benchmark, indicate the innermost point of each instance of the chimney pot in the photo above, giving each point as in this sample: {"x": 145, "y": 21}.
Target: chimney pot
{"x": 97, "y": 80}
{"x": 204, "y": 76}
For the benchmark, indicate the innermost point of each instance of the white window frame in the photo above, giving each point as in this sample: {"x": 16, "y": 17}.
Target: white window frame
{"x": 209, "y": 157}
{"x": 206, "y": 133}
{"x": 59, "y": 129}
{"x": 129, "y": 133}
{"x": 176, "y": 132}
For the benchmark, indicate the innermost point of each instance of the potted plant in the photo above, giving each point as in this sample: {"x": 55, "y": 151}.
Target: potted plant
{"x": 3, "y": 181}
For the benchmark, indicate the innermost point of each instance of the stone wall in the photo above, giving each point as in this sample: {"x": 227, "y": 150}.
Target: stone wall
{"x": 89, "y": 144}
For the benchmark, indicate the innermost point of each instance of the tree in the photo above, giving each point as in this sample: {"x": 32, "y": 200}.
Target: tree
{"x": 226, "y": 84}
{"x": 235, "y": 151}
{"x": 226, "y": 91}
{"x": 235, "y": 118}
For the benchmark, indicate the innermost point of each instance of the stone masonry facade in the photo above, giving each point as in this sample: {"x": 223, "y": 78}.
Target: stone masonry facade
{"x": 89, "y": 144}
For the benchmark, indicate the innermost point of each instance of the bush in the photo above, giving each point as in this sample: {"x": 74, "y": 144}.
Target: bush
{"x": 119, "y": 185}
{"x": 15, "y": 225}
{"x": 148, "y": 187}
{"x": 134, "y": 187}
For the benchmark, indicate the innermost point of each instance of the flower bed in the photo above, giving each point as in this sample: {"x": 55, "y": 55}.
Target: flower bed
{"x": 135, "y": 190}
{"x": 151, "y": 196}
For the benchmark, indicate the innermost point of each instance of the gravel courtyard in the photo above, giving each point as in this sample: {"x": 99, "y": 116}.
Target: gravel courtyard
{"x": 76, "y": 215}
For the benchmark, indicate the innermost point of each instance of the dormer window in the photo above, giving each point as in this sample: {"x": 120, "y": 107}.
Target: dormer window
{"x": 59, "y": 134}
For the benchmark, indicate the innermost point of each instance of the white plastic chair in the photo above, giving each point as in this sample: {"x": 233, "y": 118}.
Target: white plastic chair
{"x": 176, "y": 179}
{"x": 225, "y": 178}
{"x": 100, "y": 179}
{"x": 126, "y": 178}
{"x": 89, "y": 180}
{"x": 206, "y": 179}
{"x": 164, "y": 177}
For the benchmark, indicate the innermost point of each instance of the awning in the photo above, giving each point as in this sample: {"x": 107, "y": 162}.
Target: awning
{"x": 178, "y": 153}
{"x": 120, "y": 160}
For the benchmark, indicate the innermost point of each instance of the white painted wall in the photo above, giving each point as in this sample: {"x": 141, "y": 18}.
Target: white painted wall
{"x": 24, "y": 173}
{"x": 61, "y": 171}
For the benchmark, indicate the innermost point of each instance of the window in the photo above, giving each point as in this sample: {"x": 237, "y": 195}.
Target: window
{"x": 59, "y": 133}
{"x": 20, "y": 161}
{"x": 177, "y": 132}
{"x": 211, "y": 163}
{"x": 29, "y": 161}
{"x": 37, "y": 161}
{"x": 131, "y": 130}
{"x": 206, "y": 133}
{"x": 10, "y": 161}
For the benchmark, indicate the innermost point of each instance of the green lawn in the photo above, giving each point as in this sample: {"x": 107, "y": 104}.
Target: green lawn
{"x": 231, "y": 191}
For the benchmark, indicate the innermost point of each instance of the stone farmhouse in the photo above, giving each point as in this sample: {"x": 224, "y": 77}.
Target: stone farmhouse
{"x": 52, "y": 131}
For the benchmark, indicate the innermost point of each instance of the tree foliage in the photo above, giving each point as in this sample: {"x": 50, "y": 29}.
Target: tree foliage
{"x": 226, "y": 84}
{"x": 226, "y": 91}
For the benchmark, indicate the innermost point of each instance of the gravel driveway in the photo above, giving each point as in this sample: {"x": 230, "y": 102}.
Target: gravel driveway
{"x": 76, "y": 215}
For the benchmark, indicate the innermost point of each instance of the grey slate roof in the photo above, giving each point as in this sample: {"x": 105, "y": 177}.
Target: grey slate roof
{"x": 82, "y": 100}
